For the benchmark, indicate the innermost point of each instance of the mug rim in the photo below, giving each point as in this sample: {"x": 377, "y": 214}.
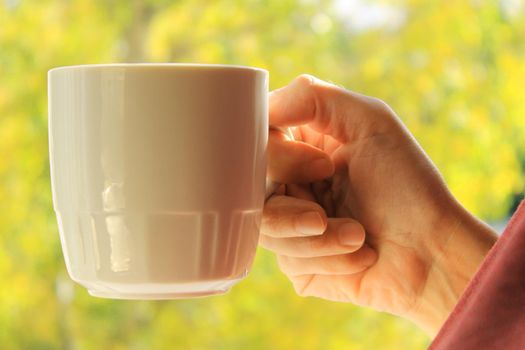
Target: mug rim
{"x": 146, "y": 65}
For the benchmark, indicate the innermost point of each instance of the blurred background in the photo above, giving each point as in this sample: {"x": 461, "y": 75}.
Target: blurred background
{"x": 454, "y": 71}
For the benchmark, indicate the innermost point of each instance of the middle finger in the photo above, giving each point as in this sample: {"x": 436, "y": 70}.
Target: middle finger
{"x": 341, "y": 236}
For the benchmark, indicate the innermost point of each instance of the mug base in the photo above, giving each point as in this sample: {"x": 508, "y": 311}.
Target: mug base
{"x": 163, "y": 291}
{"x": 155, "y": 296}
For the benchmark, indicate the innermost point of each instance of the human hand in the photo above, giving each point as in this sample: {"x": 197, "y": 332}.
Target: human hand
{"x": 365, "y": 217}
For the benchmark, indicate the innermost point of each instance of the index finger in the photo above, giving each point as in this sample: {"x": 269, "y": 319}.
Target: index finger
{"x": 326, "y": 108}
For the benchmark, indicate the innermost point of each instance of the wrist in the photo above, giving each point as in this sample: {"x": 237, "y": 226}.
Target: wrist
{"x": 455, "y": 250}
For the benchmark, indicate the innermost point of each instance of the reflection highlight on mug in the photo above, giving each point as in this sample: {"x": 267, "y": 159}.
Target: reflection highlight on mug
{"x": 119, "y": 234}
{"x": 203, "y": 234}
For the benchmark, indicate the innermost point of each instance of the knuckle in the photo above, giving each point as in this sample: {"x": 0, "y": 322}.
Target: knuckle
{"x": 312, "y": 85}
{"x": 380, "y": 106}
{"x": 312, "y": 82}
{"x": 383, "y": 114}
{"x": 305, "y": 80}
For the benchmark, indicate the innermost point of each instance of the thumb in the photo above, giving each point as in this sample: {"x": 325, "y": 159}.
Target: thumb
{"x": 326, "y": 108}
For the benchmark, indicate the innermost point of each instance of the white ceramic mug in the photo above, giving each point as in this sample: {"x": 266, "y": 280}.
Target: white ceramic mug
{"x": 158, "y": 175}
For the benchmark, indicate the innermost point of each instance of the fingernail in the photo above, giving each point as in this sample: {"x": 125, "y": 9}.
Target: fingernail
{"x": 310, "y": 223}
{"x": 350, "y": 235}
{"x": 319, "y": 166}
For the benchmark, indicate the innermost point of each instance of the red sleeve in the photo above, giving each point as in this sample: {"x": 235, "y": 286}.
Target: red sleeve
{"x": 491, "y": 312}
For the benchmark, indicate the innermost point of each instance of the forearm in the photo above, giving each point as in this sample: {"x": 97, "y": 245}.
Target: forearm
{"x": 455, "y": 255}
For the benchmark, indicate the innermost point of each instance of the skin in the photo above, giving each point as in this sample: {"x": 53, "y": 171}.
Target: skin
{"x": 364, "y": 216}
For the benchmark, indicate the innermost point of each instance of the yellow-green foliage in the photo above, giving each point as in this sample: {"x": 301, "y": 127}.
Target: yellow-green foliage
{"x": 453, "y": 71}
